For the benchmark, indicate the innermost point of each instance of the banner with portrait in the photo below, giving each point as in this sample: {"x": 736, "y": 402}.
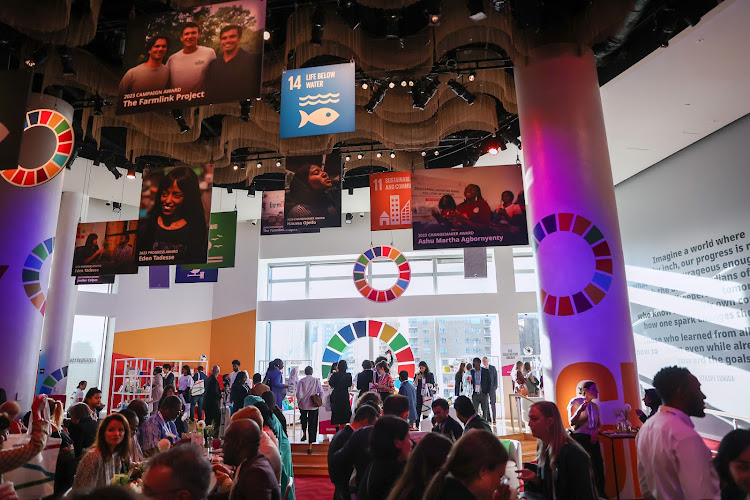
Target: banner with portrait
{"x": 14, "y": 87}
{"x": 272, "y": 215}
{"x": 174, "y": 215}
{"x": 390, "y": 201}
{"x": 208, "y": 54}
{"x": 103, "y": 248}
{"x": 468, "y": 207}
{"x": 313, "y": 191}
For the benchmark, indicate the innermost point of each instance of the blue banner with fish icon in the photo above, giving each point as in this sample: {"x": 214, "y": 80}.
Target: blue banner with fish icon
{"x": 316, "y": 101}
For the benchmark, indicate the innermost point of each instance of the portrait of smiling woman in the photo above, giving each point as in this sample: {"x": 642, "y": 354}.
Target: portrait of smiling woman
{"x": 176, "y": 225}
{"x": 313, "y": 194}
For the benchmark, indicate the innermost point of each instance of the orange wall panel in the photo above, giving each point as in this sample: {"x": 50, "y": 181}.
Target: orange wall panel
{"x": 233, "y": 337}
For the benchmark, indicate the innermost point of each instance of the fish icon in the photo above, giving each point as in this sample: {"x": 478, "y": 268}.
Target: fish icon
{"x": 320, "y": 117}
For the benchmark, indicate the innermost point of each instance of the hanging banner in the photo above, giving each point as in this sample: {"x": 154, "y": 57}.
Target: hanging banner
{"x": 183, "y": 275}
{"x": 174, "y": 215}
{"x": 468, "y": 207}
{"x": 317, "y": 100}
{"x": 209, "y": 54}
{"x": 105, "y": 248}
{"x": 14, "y": 87}
{"x": 105, "y": 279}
{"x": 272, "y": 216}
{"x": 390, "y": 201}
{"x": 222, "y": 235}
{"x": 313, "y": 191}
{"x": 158, "y": 277}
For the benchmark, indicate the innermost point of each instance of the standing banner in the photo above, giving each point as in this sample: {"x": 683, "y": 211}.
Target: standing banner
{"x": 105, "y": 248}
{"x": 390, "y": 201}
{"x": 317, "y": 100}
{"x": 313, "y": 191}
{"x": 208, "y": 54}
{"x": 14, "y": 87}
{"x": 222, "y": 235}
{"x": 183, "y": 275}
{"x": 272, "y": 216}
{"x": 468, "y": 207}
{"x": 175, "y": 210}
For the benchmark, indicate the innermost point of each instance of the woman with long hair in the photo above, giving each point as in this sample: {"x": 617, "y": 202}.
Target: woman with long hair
{"x": 184, "y": 385}
{"x": 89, "y": 253}
{"x": 424, "y": 381}
{"x": 475, "y": 469}
{"x": 384, "y": 384}
{"x": 519, "y": 381}
{"x": 108, "y": 456}
{"x": 475, "y": 210}
{"x": 340, "y": 382}
{"x": 424, "y": 461}
{"x": 239, "y": 391}
{"x": 563, "y": 467}
{"x": 157, "y": 389}
{"x": 652, "y": 401}
{"x": 532, "y": 381}
{"x": 389, "y": 447}
{"x": 584, "y": 417}
{"x": 312, "y": 193}
{"x": 177, "y": 220}
{"x": 459, "y": 381}
{"x": 733, "y": 465}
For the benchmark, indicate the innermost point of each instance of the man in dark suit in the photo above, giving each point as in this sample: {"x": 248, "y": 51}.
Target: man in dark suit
{"x": 365, "y": 378}
{"x": 254, "y": 477}
{"x": 481, "y": 386}
{"x": 468, "y": 416}
{"x": 444, "y": 423}
{"x": 212, "y": 397}
{"x": 168, "y": 375}
{"x": 340, "y": 471}
{"x": 493, "y": 387}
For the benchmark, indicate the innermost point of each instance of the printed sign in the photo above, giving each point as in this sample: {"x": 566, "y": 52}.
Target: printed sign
{"x": 509, "y": 354}
{"x": 14, "y": 87}
{"x": 174, "y": 215}
{"x": 222, "y": 234}
{"x": 183, "y": 275}
{"x": 390, "y": 201}
{"x": 209, "y": 54}
{"x": 104, "y": 279}
{"x": 313, "y": 191}
{"x": 105, "y": 248}
{"x": 468, "y": 207}
{"x": 317, "y": 101}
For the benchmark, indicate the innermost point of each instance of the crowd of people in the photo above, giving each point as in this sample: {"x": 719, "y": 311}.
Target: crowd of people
{"x": 372, "y": 455}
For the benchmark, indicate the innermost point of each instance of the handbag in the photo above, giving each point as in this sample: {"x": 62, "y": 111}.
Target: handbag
{"x": 316, "y": 400}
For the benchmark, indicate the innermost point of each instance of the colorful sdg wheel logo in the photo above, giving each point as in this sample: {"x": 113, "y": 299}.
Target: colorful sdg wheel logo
{"x": 597, "y": 288}
{"x": 31, "y": 273}
{"x": 360, "y": 274}
{"x": 24, "y": 176}
{"x": 362, "y": 330}
{"x": 49, "y": 383}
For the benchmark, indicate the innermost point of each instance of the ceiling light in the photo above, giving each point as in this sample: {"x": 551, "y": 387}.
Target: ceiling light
{"x": 437, "y": 152}
{"x": 411, "y": 83}
{"x": 243, "y": 165}
{"x": 433, "y": 12}
{"x": 349, "y": 218}
{"x": 377, "y": 98}
{"x": 235, "y": 166}
{"x": 177, "y": 115}
{"x": 365, "y": 86}
{"x": 476, "y": 10}
{"x": 461, "y": 92}
{"x": 131, "y": 171}
{"x": 472, "y": 76}
{"x": 39, "y": 56}
{"x": 229, "y": 190}
{"x": 266, "y": 35}
{"x": 318, "y": 24}
{"x": 66, "y": 59}
{"x": 391, "y": 85}
{"x": 424, "y": 153}
{"x": 278, "y": 163}
{"x": 404, "y": 83}
{"x": 429, "y": 88}
{"x": 245, "y": 107}
{"x": 379, "y": 154}
{"x": 393, "y": 154}
{"x": 347, "y": 158}
{"x": 434, "y": 20}
{"x": 392, "y": 25}
{"x": 360, "y": 156}
{"x": 259, "y": 164}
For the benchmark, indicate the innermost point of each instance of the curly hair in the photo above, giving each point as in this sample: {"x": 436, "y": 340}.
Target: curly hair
{"x": 668, "y": 380}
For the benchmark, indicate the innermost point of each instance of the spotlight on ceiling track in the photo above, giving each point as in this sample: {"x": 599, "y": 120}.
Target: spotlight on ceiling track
{"x": 379, "y": 154}
{"x": 245, "y": 107}
{"x": 472, "y": 76}
{"x": 348, "y": 9}
{"x": 377, "y": 98}
{"x": 98, "y": 106}
{"x": 347, "y": 158}
{"x": 259, "y": 164}
{"x": 393, "y": 24}
{"x": 404, "y": 83}
{"x": 177, "y": 115}
{"x": 236, "y": 166}
{"x": 318, "y": 25}
{"x": 229, "y": 190}
{"x": 393, "y": 154}
{"x": 365, "y": 86}
{"x": 349, "y": 218}
{"x": 278, "y": 163}
{"x": 424, "y": 153}
{"x": 266, "y": 35}
{"x": 461, "y": 92}
{"x": 360, "y": 156}
{"x": 476, "y": 10}
{"x": 66, "y": 60}
{"x": 39, "y": 57}
{"x": 113, "y": 170}
{"x": 392, "y": 85}
{"x": 432, "y": 10}
{"x": 116, "y": 207}
{"x": 72, "y": 158}
{"x": 131, "y": 171}
{"x": 428, "y": 89}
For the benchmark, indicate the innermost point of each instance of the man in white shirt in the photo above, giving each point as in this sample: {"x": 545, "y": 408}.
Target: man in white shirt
{"x": 187, "y": 68}
{"x": 673, "y": 460}
{"x": 235, "y": 371}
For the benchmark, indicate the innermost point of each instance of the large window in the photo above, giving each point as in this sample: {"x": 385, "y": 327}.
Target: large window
{"x": 86, "y": 351}
{"x": 436, "y": 275}
{"x": 443, "y": 342}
